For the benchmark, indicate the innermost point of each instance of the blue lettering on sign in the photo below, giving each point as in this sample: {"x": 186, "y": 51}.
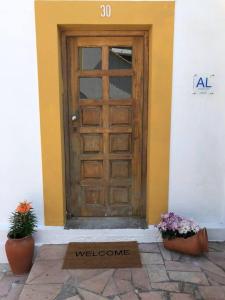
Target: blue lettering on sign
{"x": 206, "y": 83}
{"x": 200, "y": 82}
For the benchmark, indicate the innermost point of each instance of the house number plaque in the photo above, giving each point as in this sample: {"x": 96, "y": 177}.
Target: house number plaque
{"x": 106, "y": 11}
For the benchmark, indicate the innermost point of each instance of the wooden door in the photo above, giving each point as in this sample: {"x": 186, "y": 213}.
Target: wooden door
{"x": 104, "y": 125}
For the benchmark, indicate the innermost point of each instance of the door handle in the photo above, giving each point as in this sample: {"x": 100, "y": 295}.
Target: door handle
{"x": 75, "y": 116}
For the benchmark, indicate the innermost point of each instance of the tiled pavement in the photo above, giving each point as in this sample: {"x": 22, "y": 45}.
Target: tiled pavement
{"x": 164, "y": 275}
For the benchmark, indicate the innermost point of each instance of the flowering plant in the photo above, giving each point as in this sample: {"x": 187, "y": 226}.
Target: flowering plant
{"x": 173, "y": 226}
{"x": 23, "y": 221}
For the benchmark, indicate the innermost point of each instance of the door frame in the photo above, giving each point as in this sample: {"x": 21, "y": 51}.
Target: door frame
{"x": 157, "y": 17}
{"x": 66, "y": 117}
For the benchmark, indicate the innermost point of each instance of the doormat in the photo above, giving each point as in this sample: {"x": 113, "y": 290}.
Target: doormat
{"x": 102, "y": 255}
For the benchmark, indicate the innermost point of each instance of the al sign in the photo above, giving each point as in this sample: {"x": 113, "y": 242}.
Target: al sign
{"x": 203, "y": 84}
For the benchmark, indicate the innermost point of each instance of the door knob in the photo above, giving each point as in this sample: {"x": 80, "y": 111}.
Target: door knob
{"x": 75, "y": 116}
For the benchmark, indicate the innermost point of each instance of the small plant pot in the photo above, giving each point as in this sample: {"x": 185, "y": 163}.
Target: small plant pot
{"x": 194, "y": 245}
{"x": 20, "y": 254}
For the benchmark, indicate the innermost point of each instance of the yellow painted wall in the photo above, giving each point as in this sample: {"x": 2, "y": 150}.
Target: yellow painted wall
{"x": 159, "y": 18}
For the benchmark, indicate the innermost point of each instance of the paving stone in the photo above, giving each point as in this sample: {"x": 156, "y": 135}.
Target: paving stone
{"x": 180, "y": 266}
{"x": 48, "y": 271}
{"x": 110, "y": 288}
{"x": 166, "y": 286}
{"x": 19, "y": 279}
{"x": 217, "y": 255}
{"x": 4, "y": 267}
{"x": 14, "y": 292}
{"x": 212, "y": 292}
{"x": 151, "y": 258}
{"x": 189, "y": 288}
{"x": 97, "y": 283}
{"x": 193, "y": 277}
{"x": 74, "y": 298}
{"x": 187, "y": 258}
{"x": 176, "y": 256}
{"x": 215, "y": 279}
{"x": 90, "y": 296}
{"x": 129, "y": 296}
{"x": 123, "y": 274}
{"x": 40, "y": 291}
{"x": 80, "y": 275}
{"x": 167, "y": 255}
{"x": 197, "y": 295}
{"x": 207, "y": 265}
{"x": 216, "y": 246}
{"x": 152, "y": 296}
{"x": 140, "y": 279}
{"x": 7, "y": 281}
{"x": 217, "y": 258}
{"x": 181, "y": 296}
{"x": 152, "y": 247}
{"x": 123, "y": 286}
{"x": 116, "y": 298}
{"x": 157, "y": 273}
{"x": 49, "y": 252}
{"x": 68, "y": 290}
{"x": 213, "y": 282}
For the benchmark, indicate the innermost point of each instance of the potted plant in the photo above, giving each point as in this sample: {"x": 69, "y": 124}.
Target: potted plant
{"x": 182, "y": 235}
{"x": 20, "y": 244}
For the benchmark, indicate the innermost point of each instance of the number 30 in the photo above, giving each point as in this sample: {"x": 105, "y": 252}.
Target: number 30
{"x": 105, "y": 11}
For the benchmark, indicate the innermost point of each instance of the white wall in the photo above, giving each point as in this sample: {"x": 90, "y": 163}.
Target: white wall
{"x": 20, "y": 160}
{"x": 197, "y": 166}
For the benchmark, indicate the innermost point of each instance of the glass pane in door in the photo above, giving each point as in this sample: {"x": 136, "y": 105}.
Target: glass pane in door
{"x": 90, "y": 88}
{"x": 120, "y": 58}
{"x": 90, "y": 58}
{"x": 120, "y": 87}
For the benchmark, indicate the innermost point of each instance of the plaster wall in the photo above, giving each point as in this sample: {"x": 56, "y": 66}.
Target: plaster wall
{"x": 20, "y": 150}
{"x": 197, "y": 154}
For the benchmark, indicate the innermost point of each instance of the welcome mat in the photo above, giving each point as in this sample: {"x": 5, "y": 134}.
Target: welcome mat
{"x": 102, "y": 255}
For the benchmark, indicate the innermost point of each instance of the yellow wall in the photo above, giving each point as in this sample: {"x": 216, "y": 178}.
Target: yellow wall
{"x": 159, "y": 18}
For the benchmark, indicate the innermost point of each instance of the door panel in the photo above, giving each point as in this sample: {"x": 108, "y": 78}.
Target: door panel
{"x": 105, "y": 119}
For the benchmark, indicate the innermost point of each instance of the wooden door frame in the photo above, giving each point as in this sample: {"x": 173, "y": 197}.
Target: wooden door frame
{"x": 66, "y": 117}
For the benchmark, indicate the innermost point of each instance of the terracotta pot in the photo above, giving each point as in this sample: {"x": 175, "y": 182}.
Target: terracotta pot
{"x": 20, "y": 254}
{"x": 194, "y": 245}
